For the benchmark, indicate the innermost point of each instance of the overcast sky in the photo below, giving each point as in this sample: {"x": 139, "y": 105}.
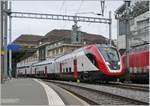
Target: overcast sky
{"x": 41, "y": 27}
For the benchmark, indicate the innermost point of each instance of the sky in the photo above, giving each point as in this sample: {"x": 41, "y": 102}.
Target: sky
{"x": 64, "y": 7}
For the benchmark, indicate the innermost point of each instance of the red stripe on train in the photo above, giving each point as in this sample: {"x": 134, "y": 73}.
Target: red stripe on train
{"x": 75, "y": 74}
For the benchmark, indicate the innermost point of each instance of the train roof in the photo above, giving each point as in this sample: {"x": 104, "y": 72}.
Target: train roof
{"x": 24, "y": 65}
{"x": 66, "y": 56}
{"x": 79, "y": 51}
{"x": 49, "y": 61}
{"x": 71, "y": 54}
{"x": 104, "y": 45}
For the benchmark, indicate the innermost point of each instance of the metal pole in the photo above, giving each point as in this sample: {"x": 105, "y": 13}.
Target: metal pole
{"x": 110, "y": 27}
{"x": 10, "y": 52}
{"x": 5, "y": 39}
{"x": 127, "y": 3}
{"x": 1, "y": 38}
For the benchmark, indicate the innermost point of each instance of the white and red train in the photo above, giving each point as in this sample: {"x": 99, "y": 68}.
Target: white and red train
{"x": 92, "y": 62}
{"x": 138, "y": 63}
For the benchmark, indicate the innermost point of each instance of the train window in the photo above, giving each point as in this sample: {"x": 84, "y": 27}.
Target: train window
{"x": 109, "y": 54}
{"x": 63, "y": 69}
{"x": 66, "y": 69}
{"x": 69, "y": 69}
{"x": 92, "y": 59}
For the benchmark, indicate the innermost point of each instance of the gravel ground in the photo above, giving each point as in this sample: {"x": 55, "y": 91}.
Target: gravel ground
{"x": 137, "y": 95}
{"x": 99, "y": 98}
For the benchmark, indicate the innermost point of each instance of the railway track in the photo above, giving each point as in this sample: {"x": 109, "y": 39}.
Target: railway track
{"x": 96, "y": 97}
{"x": 137, "y": 87}
{"x": 130, "y": 86}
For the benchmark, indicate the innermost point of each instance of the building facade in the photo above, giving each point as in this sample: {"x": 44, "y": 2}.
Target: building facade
{"x": 29, "y": 60}
{"x": 58, "y": 42}
{"x": 138, "y": 24}
{"x": 61, "y": 49}
{"x": 57, "y": 48}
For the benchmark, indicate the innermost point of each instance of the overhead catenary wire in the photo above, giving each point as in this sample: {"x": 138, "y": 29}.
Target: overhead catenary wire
{"x": 81, "y": 3}
{"x": 65, "y": 20}
{"x": 61, "y": 8}
{"x": 62, "y": 5}
{"x": 87, "y": 25}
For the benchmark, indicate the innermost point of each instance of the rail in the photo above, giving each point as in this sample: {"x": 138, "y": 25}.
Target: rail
{"x": 96, "y": 96}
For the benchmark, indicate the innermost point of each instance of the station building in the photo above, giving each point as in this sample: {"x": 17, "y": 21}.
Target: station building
{"x": 138, "y": 24}
{"x": 56, "y": 43}
{"x": 26, "y": 54}
{"x": 28, "y": 40}
{"x": 59, "y": 42}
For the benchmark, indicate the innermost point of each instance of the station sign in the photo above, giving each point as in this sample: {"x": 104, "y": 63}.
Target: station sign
{"x": 14, "y": 47}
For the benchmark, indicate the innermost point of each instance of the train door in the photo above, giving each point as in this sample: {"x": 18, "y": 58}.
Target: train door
{"x": 60, "y": 69}
{"x": 75, "y": 73}
{"x": 45, "y": 71}
{"x": 25, "y": 72}
{"x": 18, "y": 74}
{"x": 31, "y": 71}
{"x": 35, "y": 72}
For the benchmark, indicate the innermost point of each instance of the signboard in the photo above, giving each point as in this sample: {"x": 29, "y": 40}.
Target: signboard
{"x": 14, "y": 47}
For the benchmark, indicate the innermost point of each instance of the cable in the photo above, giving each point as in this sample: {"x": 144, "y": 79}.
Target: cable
{"x": 80, "y": 6}
{"x": 62, "y": 5}
{"x": 87, "y": 25}
{"x": 65, "y": 20}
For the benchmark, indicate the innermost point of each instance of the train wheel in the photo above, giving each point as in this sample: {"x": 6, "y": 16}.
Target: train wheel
{"x": 106, "y": 82}
{"x": 85, "y": 77}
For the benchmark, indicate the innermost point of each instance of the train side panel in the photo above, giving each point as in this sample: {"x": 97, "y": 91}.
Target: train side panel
{"x": 138, "y": 64}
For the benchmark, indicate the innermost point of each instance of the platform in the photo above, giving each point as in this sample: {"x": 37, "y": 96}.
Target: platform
{"x": 28, "y": 91}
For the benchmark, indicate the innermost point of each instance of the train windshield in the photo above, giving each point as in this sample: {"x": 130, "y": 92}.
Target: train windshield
{"x": 109, "y": 54}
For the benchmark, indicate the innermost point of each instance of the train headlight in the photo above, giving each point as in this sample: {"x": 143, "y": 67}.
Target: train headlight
{"x": 119, "y": 63}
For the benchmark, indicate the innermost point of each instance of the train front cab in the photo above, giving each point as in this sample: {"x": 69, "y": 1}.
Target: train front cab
{"x": 107, "y": 60}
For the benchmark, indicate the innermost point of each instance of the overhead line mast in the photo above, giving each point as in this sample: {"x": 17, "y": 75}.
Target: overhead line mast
{"x": 59, "y": 17}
